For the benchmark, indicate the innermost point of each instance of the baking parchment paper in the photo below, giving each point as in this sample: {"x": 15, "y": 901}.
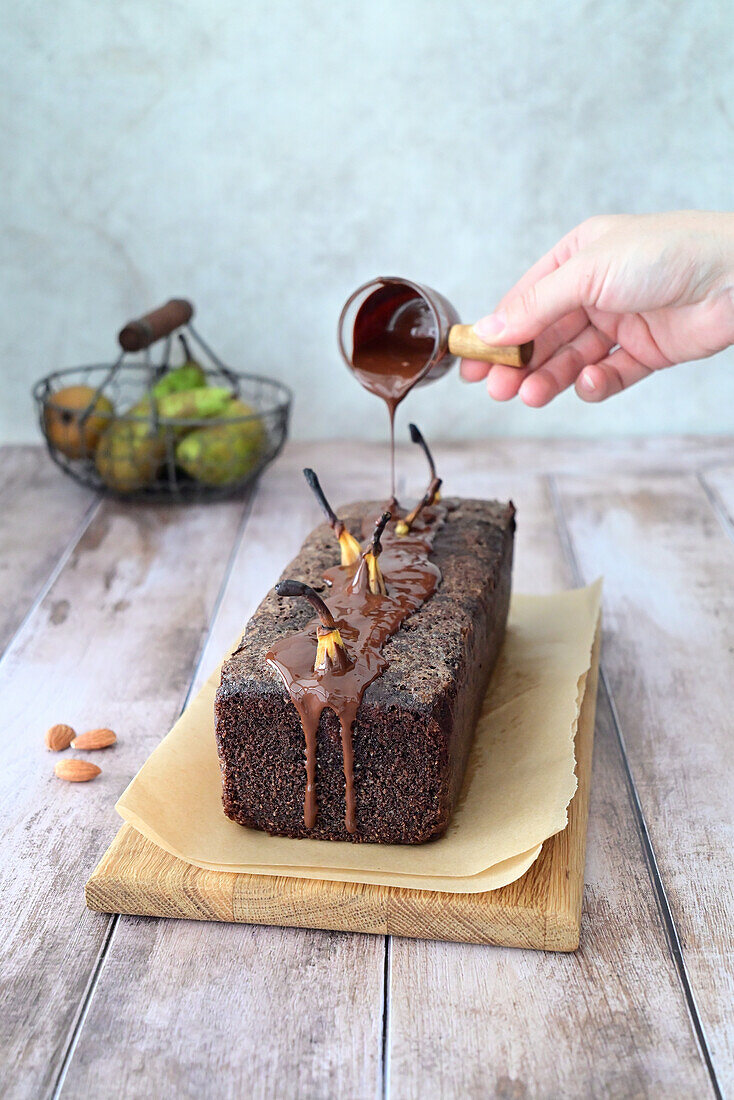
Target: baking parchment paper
{"x": 519, "y": 781}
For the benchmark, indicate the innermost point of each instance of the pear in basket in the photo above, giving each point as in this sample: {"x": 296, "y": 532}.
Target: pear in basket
{"x": 129, "y": 455}
{"x": 131, "y": 451}
{"x": 69, "y": 428}
{"x": 189, "y": 376}
{"x": 224, "y": 453}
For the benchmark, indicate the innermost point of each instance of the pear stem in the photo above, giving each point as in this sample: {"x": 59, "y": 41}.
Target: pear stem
{"x": 417, "y": 437}
{"x": 331, "y": 653}
{"x": 315, "y": 486}
{"x": 297, "y": 588}
{"x": 380, "y": 526}
{"x": 404, "y": 525}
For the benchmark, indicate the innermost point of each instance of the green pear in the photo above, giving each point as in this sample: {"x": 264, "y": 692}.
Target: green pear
{"x": 195, "y": 404}
{"x": 188, "y": 376}
{"x": 224, "y": 453}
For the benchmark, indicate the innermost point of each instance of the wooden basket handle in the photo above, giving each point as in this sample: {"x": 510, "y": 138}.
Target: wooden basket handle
{"x": 464, "y": 342}
{"x": 136, "y": 335}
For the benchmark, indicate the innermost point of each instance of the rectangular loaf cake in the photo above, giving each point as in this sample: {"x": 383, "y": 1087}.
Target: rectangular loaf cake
{"x": 415, "y": 723}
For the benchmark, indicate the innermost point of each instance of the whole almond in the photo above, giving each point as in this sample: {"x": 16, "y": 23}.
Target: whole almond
{"x": 94, "y": 739}
{"x": 76, "y": 771}
{"x": 59, "y": 737}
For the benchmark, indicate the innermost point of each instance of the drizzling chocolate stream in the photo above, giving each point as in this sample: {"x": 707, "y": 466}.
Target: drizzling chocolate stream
{"x": 364, "y": 621}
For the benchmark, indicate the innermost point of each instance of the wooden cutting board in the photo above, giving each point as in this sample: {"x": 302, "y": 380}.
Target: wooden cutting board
{"x": 540, "y": 910}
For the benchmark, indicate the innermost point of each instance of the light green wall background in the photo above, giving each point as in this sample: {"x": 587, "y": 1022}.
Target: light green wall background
{"x": 264, "y": 157}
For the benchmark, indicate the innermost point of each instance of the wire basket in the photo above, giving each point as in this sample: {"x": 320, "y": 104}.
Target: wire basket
{"x": 116, "y": 429}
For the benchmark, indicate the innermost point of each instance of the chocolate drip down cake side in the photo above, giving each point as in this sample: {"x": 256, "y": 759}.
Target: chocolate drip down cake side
{"x": 349, "y": 708}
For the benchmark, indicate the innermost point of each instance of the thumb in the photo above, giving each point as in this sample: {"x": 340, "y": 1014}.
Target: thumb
{"x": 528, "y": 314}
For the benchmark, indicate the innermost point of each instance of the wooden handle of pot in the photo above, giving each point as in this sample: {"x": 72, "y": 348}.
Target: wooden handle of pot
{"x": 140, "y": 334}
{"x": 464, "y": 342}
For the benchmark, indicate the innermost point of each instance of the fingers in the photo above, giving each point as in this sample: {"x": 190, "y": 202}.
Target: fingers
{"x": 503, "y": 383}
{"x": 542, "y": 267}
{"x": 512, "y": 319}
{"x": 577, "y": 238}
{"x": 563, "y": 368}
{"x": 617, "y": 372}
{"x": 526, "y": 315}
{"x": 557, "y": 336}
{"x": 554, "y": 337}
{"x": 472, "y": 370}
{"x": 584, "y": 361}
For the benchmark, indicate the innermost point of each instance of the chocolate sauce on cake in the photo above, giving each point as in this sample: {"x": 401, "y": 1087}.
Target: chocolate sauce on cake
{"x": 365, "y": 621}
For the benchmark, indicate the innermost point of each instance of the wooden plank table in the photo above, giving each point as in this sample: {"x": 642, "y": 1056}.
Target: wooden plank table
{"x": 113, "y": 614}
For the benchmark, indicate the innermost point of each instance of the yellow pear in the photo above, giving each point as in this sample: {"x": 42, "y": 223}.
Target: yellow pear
{"x": 69, "y": 427}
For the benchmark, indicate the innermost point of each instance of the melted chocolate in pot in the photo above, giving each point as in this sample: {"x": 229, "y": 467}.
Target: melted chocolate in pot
{"x": 395, "y": 336}
{"x": 365, "y": 622}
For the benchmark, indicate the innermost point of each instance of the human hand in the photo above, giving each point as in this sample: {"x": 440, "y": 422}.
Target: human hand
{"x": 616, "y": 299}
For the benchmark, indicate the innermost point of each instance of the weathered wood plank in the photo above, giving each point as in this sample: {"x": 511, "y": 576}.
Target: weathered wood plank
{"x": 609, "y": 1021}
{"x": 192, "y": 1009}
{"x": 668, "y": 653}
{"x": 718, "y": 484}
{"x": 274, "y": 1012}
{"x": 114, "y": 643}
{"x": 42, "y": 512}
{"x": 651, "y": 455}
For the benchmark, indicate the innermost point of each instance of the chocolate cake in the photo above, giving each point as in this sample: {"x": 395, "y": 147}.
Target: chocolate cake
{"x": 394, "y": 774}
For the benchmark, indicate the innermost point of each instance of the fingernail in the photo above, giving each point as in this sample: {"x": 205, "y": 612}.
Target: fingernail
{"x": 489, "y": 327}
{"x": 588, "y": 382}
